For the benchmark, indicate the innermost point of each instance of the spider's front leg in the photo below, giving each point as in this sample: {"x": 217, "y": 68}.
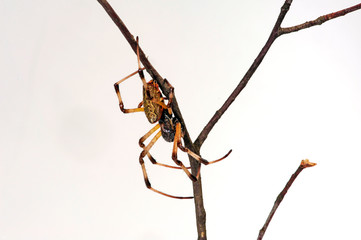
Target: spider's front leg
{"x": 116, "y": 86}
{"x": 160, "y": 101}
{"x": 121, "y": 104}
{"x": 170, "y": 96}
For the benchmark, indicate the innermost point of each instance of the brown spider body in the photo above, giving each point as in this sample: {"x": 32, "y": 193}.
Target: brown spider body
{"x": 156, "y": 111}
{"x": 151, "y": 98}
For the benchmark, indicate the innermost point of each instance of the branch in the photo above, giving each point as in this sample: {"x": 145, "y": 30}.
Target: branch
{"x": 304, "y": 164}
{"x": 319, "y": 20}
{"x": 204, "y": 134}
{"x": 276, "y": 32}
{"x": 165, "y": 87}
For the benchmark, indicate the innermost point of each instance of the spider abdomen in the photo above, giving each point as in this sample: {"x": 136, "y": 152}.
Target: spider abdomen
{"x": 168, "y": 126}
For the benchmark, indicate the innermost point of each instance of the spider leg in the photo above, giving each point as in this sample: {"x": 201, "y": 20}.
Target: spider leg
{"x": 147, "y": 135}
{"x": 149, "y": 186}
{"x": 140, "y": 69}
{"x": 116, "y": 86}
{"x": 177, "y": 138}
{"x": 121, "y": 105}
{"x": 145, "y": 175}
{"x": 162, "y": 104}
{"x": 170, "y": 96}
{"x": 194, "y": 155}
{"x": 141, "y": 75}
{"x": 140, "y": 104}
{"x": 151, "y": 158}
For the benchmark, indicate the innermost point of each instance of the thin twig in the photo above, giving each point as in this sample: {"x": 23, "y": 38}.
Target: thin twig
{"x": 319, "y": 20}
{"x": 304, "y": 164}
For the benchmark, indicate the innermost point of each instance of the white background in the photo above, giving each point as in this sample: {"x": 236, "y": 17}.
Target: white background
{"x": 69, "y": 158}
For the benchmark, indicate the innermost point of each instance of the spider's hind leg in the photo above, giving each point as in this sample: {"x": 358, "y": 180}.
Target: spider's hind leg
{"x": 177, "y": 139}
{"x": 150, "y": 157}
{"x": 194, "y": 155}
{"x": 146, "y": 152}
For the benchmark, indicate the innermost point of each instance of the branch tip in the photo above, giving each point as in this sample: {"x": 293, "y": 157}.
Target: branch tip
{"x": 306, "y": 163}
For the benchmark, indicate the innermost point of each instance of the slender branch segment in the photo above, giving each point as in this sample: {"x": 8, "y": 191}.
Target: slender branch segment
{"x": 319, "y": 20}
{"x": 304, "y": 164}
{"x": 252, "y": 69}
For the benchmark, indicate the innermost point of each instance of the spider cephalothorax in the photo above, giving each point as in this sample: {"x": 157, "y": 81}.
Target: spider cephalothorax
{"x": 157, "y": 111}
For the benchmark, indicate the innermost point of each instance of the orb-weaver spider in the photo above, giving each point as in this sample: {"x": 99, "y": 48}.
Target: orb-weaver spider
{"x": 170, "y": 127}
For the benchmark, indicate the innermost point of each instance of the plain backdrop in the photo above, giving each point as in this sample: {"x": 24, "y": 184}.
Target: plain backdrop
{"x": 69, "y": 158}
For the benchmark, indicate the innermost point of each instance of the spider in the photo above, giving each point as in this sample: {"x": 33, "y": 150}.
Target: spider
{"x": 170, "y": 127}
